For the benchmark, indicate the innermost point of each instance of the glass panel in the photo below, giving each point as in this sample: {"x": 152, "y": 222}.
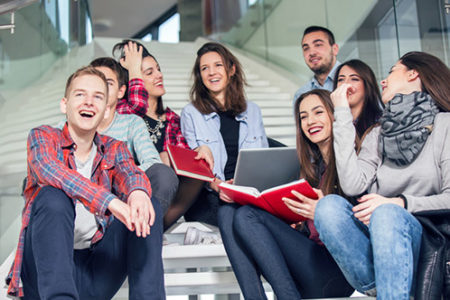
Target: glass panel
{"x": 41, "y": 37}
{"x": 63, "y": 14}
{"x": 169, "y": 31}
{"x": 376, "y": 31}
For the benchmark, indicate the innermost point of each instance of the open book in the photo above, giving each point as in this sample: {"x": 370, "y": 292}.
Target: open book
{"x": 270, "y": 199}
{"x": 184, "y": 163}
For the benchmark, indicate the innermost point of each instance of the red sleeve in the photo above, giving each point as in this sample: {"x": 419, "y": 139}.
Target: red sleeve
{"x": 136, "y": 101}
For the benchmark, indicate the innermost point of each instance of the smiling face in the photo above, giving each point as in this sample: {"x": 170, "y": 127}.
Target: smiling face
{"x": 214, "y": 74}
{"x": 319, "y": 55}
{"x": 85, "y": 104}
{"x": 152, "y": 77}
{"x": 315, "y": 121}
{"x": 357, "y": 93}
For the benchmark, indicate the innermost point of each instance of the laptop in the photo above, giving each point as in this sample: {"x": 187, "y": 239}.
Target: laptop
{"x": 267, "y": 167}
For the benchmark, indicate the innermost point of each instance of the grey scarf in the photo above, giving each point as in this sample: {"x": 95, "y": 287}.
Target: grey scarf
{"x": 406, "y": 123}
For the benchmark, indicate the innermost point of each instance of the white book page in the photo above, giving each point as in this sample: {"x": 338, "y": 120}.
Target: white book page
{"x": 245, "y": 189}
{"x": 282, "y": 186}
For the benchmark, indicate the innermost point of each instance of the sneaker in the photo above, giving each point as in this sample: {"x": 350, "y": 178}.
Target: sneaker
{"x": 195, "y": 236}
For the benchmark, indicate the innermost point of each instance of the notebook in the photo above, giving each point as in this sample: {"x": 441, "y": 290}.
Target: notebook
{"x": 267, "y": 167}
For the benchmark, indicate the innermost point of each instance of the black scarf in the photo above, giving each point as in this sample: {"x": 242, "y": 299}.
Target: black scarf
{"x": 406, "y": 123}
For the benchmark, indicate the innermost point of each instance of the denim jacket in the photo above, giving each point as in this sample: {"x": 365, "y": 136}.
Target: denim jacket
{"x": 200, "y": 129}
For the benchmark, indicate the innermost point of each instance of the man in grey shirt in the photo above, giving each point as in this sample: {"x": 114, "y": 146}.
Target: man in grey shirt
{"x": 319, "y": 51}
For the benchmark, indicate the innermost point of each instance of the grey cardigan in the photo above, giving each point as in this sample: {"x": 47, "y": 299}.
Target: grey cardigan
{"x": 425, "y": 182}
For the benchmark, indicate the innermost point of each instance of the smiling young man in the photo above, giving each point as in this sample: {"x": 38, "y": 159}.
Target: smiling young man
{"x": 319, "y": 51}
{"x": 88, "y": 212}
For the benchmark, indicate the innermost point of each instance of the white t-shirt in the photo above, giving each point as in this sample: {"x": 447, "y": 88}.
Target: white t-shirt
{"x": 85, "y": 223}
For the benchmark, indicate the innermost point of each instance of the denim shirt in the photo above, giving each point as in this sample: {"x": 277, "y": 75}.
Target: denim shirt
{"x": 314, "y": 84}
{"x": 200, "y": 129}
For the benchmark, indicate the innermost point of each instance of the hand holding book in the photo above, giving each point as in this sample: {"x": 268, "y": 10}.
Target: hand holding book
{"x": 271, "y": 200}
{"x": 203, "y": 152}
{"x": 303, "y": 205}
{"x": 189, "y": 163}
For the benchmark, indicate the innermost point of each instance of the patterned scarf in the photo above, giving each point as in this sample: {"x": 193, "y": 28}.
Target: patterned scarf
{"x": 406, "y": 123}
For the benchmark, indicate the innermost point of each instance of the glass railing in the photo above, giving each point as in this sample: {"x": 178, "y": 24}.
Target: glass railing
{"x": 44, "y": 31}
{"x": 377, "y": 32}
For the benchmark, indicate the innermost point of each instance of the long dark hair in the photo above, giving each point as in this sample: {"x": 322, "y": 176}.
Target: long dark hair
{"x": 373, "y": 106}
{"x": 203, "y": 99}
{"x": 309, "y": 155}
{"x": 434, "y": 75}
{"x": 118, "y": 53}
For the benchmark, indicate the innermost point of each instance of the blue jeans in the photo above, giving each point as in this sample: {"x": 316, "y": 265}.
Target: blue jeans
{"x": 52, "y": 269}
{"x": 382, "y": 255}
{"x": 294, "y": 265}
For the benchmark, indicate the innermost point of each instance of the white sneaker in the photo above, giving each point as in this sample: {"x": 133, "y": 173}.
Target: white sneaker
{"x": 195, "y": 236}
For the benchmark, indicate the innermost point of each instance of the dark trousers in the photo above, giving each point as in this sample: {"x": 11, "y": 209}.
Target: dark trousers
{"x": 164, "y": 183}
{"x": 52, "y": 269}
{"x": 204, "y": 208}
{"x": 294, "y": 265}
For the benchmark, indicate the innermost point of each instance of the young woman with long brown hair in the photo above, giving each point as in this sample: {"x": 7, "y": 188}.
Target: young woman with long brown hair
{"x": 292, "y": 259}
{"x": 221, "y": 120}
{"x": 404, "y": 164}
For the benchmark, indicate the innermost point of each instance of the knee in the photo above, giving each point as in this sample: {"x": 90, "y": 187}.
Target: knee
{"x": 162, "y": 178}
{"x": 386, "y": 218}
{"x": 244, "y": 217}
{"x": 53, "y": 202}
{"x": 330, "y": 210}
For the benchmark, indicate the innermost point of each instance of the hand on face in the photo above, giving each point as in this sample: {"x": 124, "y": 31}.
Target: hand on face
{"x": 340, "y": 95}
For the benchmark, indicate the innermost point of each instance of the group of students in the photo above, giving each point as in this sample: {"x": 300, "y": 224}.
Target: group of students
{"x": 92, "y": 217}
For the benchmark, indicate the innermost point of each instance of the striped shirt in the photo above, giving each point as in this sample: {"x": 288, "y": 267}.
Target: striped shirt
{"x": 51, "y": 162}
{"x": 132, "y": 130}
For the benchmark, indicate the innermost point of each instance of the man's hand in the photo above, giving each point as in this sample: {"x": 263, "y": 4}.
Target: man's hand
{"x": 132, "y": 60}
{"x": 141, "y": 211}
{"x": 367, "y": 204}
{"x": 205, "y": 153}
{"x": 121, "y": 211}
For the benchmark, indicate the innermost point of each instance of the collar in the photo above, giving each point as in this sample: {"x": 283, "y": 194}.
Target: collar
{"x": 330, "y": 75}
{"x": 67, "y": 141}
{"x": 241, "y": 117}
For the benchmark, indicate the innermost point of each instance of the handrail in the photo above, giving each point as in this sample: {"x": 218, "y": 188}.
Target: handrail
{"x": 13, "y": 5}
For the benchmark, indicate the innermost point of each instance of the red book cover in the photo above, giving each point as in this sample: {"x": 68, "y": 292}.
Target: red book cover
{"x": 270, "y": 199}
{"x": 184, "y": 163}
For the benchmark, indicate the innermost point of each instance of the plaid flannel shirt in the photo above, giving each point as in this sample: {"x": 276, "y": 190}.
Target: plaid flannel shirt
{"x": 137, "y": 103}
{"x": 51, "y": 162}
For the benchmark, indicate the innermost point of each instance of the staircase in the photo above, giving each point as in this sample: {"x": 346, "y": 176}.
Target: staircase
{"x": 38, "y": 104}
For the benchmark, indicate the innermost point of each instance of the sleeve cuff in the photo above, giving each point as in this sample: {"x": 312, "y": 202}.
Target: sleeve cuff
{"x": 405, "y": 201}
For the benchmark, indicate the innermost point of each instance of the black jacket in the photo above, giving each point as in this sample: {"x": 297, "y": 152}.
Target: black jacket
{"x": 433, "y": 272}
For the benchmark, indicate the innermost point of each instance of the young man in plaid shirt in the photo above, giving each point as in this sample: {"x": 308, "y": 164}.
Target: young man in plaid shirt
{"x": 88, "y": 221}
